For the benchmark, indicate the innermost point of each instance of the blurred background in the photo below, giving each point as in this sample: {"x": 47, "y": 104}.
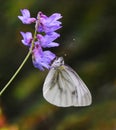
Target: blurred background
{"x": 88, "y": 45}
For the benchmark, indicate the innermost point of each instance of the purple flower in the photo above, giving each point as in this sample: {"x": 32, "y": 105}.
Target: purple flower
{"x": 44, "y": 37}
{"x": 27, "y": 38}
{"x": 41, "y": 59}
{"x": 47, "y": 40}
{"x": 48, "y": 24}
{"x": 25, "y": 18}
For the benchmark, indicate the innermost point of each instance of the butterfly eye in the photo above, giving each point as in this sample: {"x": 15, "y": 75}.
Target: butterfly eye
{"x": 57, "y": 62}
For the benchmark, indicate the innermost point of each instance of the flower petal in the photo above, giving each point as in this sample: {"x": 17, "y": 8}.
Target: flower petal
{"x": 48, "y": 24}
{"x": 25, "y": 18}
{"x": 42, "y": 59}
{"x": 47, "y": 40}
{"x": 27, "y": 38}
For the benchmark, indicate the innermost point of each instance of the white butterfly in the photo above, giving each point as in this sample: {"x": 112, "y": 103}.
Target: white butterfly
{"x": 63, "y": 87}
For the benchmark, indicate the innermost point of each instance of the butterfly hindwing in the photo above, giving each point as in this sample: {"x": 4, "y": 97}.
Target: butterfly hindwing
{"x": 82, "y": 92}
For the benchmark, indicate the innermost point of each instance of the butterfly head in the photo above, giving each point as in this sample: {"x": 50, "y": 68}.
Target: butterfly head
{"x": 58, "y": 62}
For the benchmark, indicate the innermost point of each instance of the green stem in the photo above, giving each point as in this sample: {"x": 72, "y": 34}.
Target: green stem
{"x": 20, "y": 67}
{"x": 5, "y": 87}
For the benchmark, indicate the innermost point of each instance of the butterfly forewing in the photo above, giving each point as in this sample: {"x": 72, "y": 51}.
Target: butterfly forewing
{"x": 63, "y": 87}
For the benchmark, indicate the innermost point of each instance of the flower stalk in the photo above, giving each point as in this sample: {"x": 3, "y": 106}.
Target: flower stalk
{"x": 20, "y": 67}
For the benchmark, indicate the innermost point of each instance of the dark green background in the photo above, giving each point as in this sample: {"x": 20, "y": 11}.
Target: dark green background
{"x": 88, "y": 45}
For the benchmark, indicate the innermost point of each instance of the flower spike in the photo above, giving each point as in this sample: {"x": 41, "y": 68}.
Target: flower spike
{"x": 43, "y": 37}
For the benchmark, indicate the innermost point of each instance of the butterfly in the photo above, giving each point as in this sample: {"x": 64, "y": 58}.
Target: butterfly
{"x": 63, "y": 87}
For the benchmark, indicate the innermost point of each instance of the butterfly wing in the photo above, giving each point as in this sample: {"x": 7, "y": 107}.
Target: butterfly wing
{"x": 51, "y": 88}
{"x": 81, "y": 94}
{"x": 63, "y": 87}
